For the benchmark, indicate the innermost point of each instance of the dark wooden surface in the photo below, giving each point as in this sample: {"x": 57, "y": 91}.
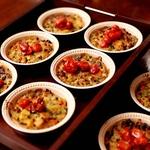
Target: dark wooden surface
{"x": 11, "y": 10}
{"x": 134, "y": 9}
{"x": 92, "y": 108}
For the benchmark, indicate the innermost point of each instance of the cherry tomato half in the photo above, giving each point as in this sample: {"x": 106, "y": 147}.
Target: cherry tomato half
{"x": 31, "y": 108}
{"x": 84, "y": 65}
{"x": 112, "y": 34}
{"x": 115, "y": 35}
{"x": 106, "y": 41}
{"x": 61, "y": 22}
{"x": 69, "y": 25}
{"x": 115, "y": 27}
{"x": 140, "y": 141}
{"x": 37, "y": 47}
{"x": 123, "y": 145}
{"x": 94, "y": 69}
{"x": 1, "y": 83}
{"x": 23, "y": 46}
{"x": 125, "y": 134}
{"x": 39, "y": 107}
{"x": 29, "y": 51}
{"x": 24, "y": 103}
{"x": 71, "y": 66}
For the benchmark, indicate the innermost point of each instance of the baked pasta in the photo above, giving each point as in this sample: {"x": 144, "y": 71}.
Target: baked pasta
{"x": 38, "y": 109}
{"x": 128, "y": 134}
{"x": 63, "y": 23}
{"x": 112, "y": 38}
{"x": 29, "y": 49}
{"x": 82, "y": 70}
{"x": 5, "y": 78}
{"x": 142, "y": 92}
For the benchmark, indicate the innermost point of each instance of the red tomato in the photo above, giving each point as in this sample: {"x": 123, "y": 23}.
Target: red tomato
{"x": 107, "y": 31}
{"x": 37, "y": 47}
{"x": 84, "y": 65}
{"x": 1, "y": 83}
{"x": 94, "y": 69}
{"x": 114, "y": 28}
{"x": 61, "y": 22}
{"x": 71, "y": 66}
{"x": 115, "y": 35}
{"x": 23, "y": 46}
{"x": 24, "y": 103}
{"x": 106, "y": 41}
{"x": 125, "y": 134}
{"x": 140, "y": 141}
{"x": 69, "y": 25}
{"x": 123, "y": 145}
{"x": 37, "y": 105}
{"x": 40, "y": 107}
{"x": 117, "y": 32}
{"x": 29, "y": 51}
{"x": 137, "y": 133}
{"x": 31, "y": 108}
{"x": 103, "y": 44}
{"x": 111, "y": 35}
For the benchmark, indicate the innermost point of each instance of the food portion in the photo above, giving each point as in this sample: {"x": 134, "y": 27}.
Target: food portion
{"x": 38, "y": 109}
{"x": 142, "y": 92}
{"x": 29, "y": 49}
{"x": 82, "y": 70}
{"x": 112, "y": 38}
{"x": 128, "y": 134}
{"x": 63, "y": 23}
{"x": 5, "y": 78}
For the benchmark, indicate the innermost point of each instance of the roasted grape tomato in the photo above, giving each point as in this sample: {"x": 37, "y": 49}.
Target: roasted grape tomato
{"x": 140, "y": 141}
{"x": 31, "y": 108}
{"x": 115, "y": 27}
{"x": 71, "y": 66}
{"x": 94, "y": 69}
{"x": 61, "y": 22}
{"x": 1, "y": 83}
{"x": 84, "y": 65}
{"x": 23, "y": 46}
{"x": 24, "y": 103}
{"x": 39, "y": 107}
{"x": 29, "y": 51}
{"x": 123, "y": 145}
{"x": 69, "y": 25}
{"x": 37, "y": 47}
{"x": 105, "y": 42}
{"x": 115, "y": 35}
{"x": 125, "y": 134}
